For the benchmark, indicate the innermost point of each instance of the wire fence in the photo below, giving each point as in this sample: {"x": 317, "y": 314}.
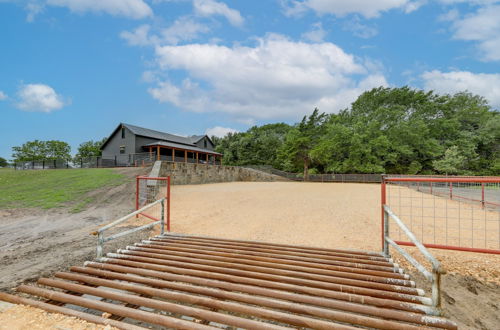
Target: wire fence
{"x": 125, "y": 160}
{"x": 150, "y": 189}
{"x": 360, "y": 178}
{"x": 459, "y": 213}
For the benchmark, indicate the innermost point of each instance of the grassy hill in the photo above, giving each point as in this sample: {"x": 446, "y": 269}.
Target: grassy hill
{"x": 53, "y": 188}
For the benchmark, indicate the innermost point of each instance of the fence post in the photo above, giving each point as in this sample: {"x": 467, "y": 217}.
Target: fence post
{"x": 386, "y": 234}
{"x": 115, "y": 160}
{"x": 81, "y": 162}
{"x": 162, "y": 218}
{"x": 97, "y": 162}
{"x": 137, "y": 195}
{"x": 482, "y": 194}
{"x": 100, "y": 242}
{"x": 168, "y": 203}
{"x": 383, "y": 215}
{"x": 43, "y": 164}
{"x": 451, "y": 190}
{"x": 436, "y": 288}
{"x": 55, "y": 163}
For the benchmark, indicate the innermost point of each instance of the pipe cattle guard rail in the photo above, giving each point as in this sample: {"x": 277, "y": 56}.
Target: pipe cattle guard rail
{"x": 452, "y": 213}
{"x": 100, "y": 232}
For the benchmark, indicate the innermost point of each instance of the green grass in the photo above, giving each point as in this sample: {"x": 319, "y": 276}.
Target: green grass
{"x": 53, "y": 188}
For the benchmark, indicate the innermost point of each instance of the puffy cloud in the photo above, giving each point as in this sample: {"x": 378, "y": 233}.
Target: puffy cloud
{"x": 317, "y": 34}
{"x": 39, "y": 97}
{"x": 360, "y": 30}
{"x": 3, "y": 96}
{"x": 219, "y": 131}
{"x": 368, "y": 9}
{"x": 183, "y": 29}
{"x": 484, "y": 84}
{"x": 483, "y": 26}
{"x": 277, "y": 78}
{"x": 212, "y": 7}
{"x": 135, "y": 9}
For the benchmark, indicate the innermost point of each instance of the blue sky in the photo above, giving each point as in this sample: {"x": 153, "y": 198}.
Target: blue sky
{"x": 73, "y": 69}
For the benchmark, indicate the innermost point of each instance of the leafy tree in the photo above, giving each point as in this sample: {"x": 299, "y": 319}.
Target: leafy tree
{"x": 3, "y": 162}
{"x": 42, "y": 150}
{"x": 301, "y": 140}
{"x": 257, "y": 146}
{"x": 89, "y": 149}
{"x": 451, "y": 163}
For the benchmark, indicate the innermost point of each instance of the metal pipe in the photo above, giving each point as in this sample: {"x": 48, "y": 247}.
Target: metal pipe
{"x": 412, "y": 260}
{"x": 293, "y": 247}
{"x": 351, "y": 263}
{"x": 277, "y": 259}
{"x": 66, "y": 311}
{"x": 435, "y": 264}
{"x": 262, "y": 279}
{"x": 280, "y": 272}
{"x": 376, "y": 262}
{"x": 297, "y": 293}
{"x": 112, "y": 308}
{"x": 152, "y": 303}
{"x": 451, "y": 247}
{"x": 379, "y": 279}
{"x": 265, "y": 302}
{"x": 130, "y": 231}
{"x": 448, "y": 179}
{"x": 128, "y": 216}
{"x": 166, "y": 238}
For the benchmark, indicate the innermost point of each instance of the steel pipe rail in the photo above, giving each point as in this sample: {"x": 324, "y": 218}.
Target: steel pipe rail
{"x": 175, "y": 283}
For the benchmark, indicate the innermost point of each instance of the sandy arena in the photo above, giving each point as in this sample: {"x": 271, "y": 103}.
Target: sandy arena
{"x": 330, "y": 215}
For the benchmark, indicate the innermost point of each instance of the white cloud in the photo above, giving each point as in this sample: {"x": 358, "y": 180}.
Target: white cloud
{"x": 135, "y": 9}
{"x": 219, "y": 131}
{"x": 33, "y": 8}
{"x": 183, "y": 29}
{"x": 39, "y": 97}
{"x": 484, "y": 84}
{"x": 368, "y": 9}
{"x": 317, "y": 34}
{"x": 483, "y": 27}
{"x": 3, "y": 96}
{"x": 211, "y": 7}
{"x": 277, "y": 78}
{"x": 360, "y": 30}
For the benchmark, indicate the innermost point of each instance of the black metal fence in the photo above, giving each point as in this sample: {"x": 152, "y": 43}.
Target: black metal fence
{"x": 125, "y": 160}
{"x": 363, "y": 178}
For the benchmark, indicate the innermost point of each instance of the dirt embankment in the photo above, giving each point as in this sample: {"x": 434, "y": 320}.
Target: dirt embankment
{"x": 36, "y": 243}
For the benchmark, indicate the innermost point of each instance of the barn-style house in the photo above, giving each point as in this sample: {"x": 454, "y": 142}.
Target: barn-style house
{"x": 138, "y": 143}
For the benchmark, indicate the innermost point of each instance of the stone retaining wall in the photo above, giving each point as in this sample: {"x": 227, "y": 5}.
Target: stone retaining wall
{"x": 186, "y": 173}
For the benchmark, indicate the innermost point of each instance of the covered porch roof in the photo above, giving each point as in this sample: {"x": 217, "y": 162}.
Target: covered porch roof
{"x": 179, "y": 146}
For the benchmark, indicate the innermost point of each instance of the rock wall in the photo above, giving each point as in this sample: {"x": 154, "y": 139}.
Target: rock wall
{"x": 186, "y": 173}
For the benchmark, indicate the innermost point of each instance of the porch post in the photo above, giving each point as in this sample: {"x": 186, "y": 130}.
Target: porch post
{"x": 196, "y": 158}
{"x": 157, "y": 152}
{"x": 173, "y": 154}
{"x": 150, "y": 153}
{"x": 214, "y": 159}
{"x": 207, "y": 159}
{"x": 185, "y": 156}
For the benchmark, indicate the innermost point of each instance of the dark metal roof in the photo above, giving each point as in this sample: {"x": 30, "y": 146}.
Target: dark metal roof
{"x": 146, "y": 132}
{"x": 181, "y": 146}
{"x": 160, "y": 135}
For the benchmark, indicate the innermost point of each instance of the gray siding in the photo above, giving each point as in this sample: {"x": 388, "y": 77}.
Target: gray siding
{"x": 142, "y": 141}
{"x": 201, "y": 144}
{"x": 112, "y": 148}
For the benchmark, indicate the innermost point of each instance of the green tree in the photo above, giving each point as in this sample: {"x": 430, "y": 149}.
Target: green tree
{"x": 301, "y": 140}
{"x": 42, "y": 150}
{"x": 451, "y": 163}
{"x": 3, "y": 162}
{"x": 89, "y": 149}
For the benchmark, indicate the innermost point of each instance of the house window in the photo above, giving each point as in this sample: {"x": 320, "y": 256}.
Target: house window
{"x": 122, "y": 149}
{"x": 123, "y": 132}
{"x": 205, "y": 143}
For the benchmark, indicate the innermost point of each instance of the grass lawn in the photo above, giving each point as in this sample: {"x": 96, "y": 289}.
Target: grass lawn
{"x": 53, "y": 188}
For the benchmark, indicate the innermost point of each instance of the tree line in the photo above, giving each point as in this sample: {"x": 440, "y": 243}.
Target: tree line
{"x": 55, "y": 150}
{"x": 386, "y": 130}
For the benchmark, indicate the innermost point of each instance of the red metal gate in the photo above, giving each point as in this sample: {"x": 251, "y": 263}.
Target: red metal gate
{"x": 149, "y": 190}
{"x": 453, "y": 213}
